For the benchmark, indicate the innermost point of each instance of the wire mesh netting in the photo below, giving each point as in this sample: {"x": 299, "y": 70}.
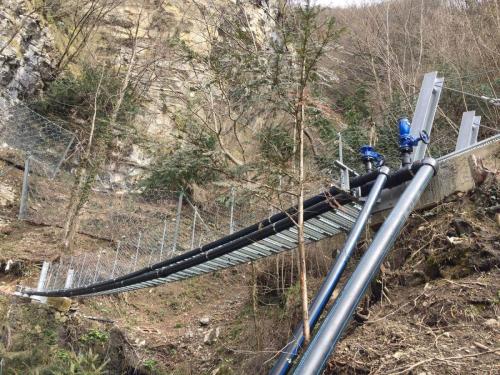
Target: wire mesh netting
{"x": 30, "y": 133}
{"x": 139, "y": 232}
{"x": 135, "y": 231}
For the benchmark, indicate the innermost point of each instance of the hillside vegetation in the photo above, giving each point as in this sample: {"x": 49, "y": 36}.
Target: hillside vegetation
{"x": 213, "y": 97}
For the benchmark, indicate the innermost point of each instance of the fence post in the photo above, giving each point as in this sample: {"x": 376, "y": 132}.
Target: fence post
{"x": 97, "y": 267}
{"x": 151, "y": 255}
{"x": 475, "y": 130}
{"x": 177, "y": 222}
{"x": 82, "y": 270}
{"x": 194, "y": 227}
{"x": 23, "y": 205}
{"x": 41, "y": 282}
{"x": 344, "y": 172}
{"x": 465, "y": 132}
{"x": 137, "y": 251}
{"x": 231, "y": 214}
{"x": 163, "y": 240}
{"x": 116, "y": 259}
{"x": 69, "y": 278}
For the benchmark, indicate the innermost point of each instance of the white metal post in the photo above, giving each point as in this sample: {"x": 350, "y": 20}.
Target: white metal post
{"x": 344, "y": 172}
{"x": 475, "y": 130}
{"x": 177, "y": 222}
{"x": 97, "y": 268}
{"x": 23, "y": 205}
{"x": 137, "y": 251}
{"x": 41, "y": 282}
{"x": 231, "y": 213}
{"x": 425, "y": 110}
{"x": 69, "y": 279}
{"x": 163, "y": 240}
{"x": 116, "y": 259}
{"x": 465, "y": 132}
{"x": 469, "y": 129}
{"x": 82, "y": 270}
{"x": 193, "y": 233}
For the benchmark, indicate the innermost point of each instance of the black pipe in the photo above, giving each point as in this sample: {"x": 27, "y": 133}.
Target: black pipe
{"x": 243, "y": 232}
{"x": 354, "y": 182}
{"x": 258, "y": 235}
{"x": 363, "y": 179}
{"x": 394, "y": 179}
{"x": 397, "y": 178}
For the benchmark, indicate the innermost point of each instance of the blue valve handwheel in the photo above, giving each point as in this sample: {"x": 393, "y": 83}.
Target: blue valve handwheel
{"x": 424, "y": 137}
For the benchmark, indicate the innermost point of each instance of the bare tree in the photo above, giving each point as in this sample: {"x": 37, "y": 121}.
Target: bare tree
{"x": 84, "y": 19}
{"x": 96, "y": 149}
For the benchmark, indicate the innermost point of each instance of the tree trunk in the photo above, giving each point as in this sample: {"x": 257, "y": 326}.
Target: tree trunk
{"x": 90, "y": 169}
{"x": 75, "y": 206}
{"x": 300, "y": 223}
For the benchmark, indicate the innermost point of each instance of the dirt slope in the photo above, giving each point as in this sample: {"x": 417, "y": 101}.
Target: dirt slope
{"x": 433, "y": 310}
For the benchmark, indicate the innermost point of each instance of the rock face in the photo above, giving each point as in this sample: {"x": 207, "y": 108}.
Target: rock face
{"x": 25, "y": 46}
{"x": 28, "y": 55}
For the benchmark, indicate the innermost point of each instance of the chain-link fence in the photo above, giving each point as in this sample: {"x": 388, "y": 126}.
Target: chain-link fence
{"x": 136, "y": 232}
{"x": 32, "y": 150}
{"x": 33, "y": 135}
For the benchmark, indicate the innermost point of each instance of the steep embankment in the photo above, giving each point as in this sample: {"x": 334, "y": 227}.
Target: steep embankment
{"x": 433, "y": 309}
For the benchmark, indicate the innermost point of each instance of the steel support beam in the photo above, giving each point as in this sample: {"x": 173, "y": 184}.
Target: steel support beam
{"x": 425, "y": 110}
{"x": 24, "y": 201}
{"x": 469, "y": 129}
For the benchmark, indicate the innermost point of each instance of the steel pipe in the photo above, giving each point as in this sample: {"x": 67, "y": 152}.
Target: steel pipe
{"x": 289, "y": 353}
{"x": 323, "y": 344}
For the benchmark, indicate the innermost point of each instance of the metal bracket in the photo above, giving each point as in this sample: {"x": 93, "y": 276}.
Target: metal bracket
{"x": 469, "y": 129}
{"x": 425, "y": 110}
{"x": 345, "y": 171}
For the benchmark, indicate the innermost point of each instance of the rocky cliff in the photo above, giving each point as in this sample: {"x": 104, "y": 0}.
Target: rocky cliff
{"x": 31, "y": 42}
{"x": 26, "y": 47}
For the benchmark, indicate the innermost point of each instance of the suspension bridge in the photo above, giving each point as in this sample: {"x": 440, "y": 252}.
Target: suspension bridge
{"x": 338, "y": 209}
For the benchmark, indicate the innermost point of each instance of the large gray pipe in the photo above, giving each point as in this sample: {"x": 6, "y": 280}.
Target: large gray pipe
{"x": 323, "y": 344}
{"x": 325, "y": 292}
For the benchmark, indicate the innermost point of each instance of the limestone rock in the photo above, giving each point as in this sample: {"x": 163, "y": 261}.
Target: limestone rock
{"x": 25, "y": 54}
{"x": 61, "y": 304}
{"x": 204, "y": 321}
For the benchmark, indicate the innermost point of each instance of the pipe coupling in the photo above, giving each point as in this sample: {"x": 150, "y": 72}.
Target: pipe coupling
{"x": 431, "y": 162}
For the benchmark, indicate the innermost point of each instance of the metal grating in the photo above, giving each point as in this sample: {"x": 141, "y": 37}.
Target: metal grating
{"x": 322, "y": 226}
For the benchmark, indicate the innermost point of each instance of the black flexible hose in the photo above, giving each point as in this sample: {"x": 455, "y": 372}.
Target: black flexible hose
{"x": 227, "y": 245}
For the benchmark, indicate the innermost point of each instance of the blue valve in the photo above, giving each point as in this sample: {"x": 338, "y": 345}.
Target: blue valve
{"x": 407, "y": 142}
{"x": 371, "y": 157}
